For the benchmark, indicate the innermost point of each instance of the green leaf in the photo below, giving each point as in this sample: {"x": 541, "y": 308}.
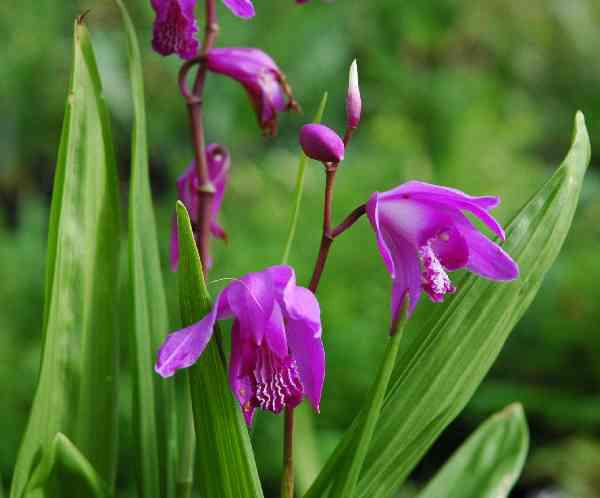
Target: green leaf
{"x": 61, "y": 460}
{"x": 153, "y": 416}
{"x": 347, "y": 478}
{"x": 228, "y": 468}
{"x": 441, "y": 366}
{"x": 489, "y": 463}
{"x": 77, "y": 387}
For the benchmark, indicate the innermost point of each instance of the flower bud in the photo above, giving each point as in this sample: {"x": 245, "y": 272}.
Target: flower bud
{"x": 353, "y": 100}
{"x": 321, "y": 143}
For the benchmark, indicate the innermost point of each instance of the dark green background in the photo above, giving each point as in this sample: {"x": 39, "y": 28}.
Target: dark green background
{"x": 474, "y": 95}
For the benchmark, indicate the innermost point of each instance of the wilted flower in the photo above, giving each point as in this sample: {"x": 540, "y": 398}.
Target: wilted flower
{"x": 353, "y": 100}
{"x": 321, "y": 143}
{"x": 174, "y": 28}
{"x": 260, "y": 76}
{"x": 217, "y": 161}
{"x": 277, "y": 355}
{"x": 422, "y": 234}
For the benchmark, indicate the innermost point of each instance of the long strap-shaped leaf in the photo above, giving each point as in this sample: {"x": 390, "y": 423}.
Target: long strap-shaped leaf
{"x": 442, "y": 365}
{"x": 153, "y": 399}
{"x": 489, "y": 463}
{"x": 77, "y": 386}
{"x": 226, "y": 460}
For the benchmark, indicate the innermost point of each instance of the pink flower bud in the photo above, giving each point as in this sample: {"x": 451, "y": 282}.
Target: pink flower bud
{"x": 353, "y": 101}
{"x": 321, "y": 143}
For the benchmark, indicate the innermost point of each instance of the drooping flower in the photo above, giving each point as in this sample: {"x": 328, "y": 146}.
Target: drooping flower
{"x": 423, "y": 233}
{"x": 321, "y": 143}
{"x": 174, "y": 28}
{"x": 277, "y": 355}
{"x": 353, "y": 100}
{"x": 218, "y": 163}
{"x": 263, "y": 80}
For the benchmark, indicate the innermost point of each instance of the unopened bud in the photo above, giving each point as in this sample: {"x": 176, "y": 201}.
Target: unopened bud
{"x": 321, "y": 143}
{"x": 353, "y": 100}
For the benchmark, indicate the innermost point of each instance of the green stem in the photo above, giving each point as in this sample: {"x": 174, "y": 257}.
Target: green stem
{"x": 347, "y": 480}
{"x": 299, "y": 190}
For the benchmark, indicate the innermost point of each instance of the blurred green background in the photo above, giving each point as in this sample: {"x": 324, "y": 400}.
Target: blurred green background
{"x": 478, "y": 96}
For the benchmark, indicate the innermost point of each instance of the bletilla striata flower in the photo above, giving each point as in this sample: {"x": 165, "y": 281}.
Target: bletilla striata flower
{"x": 423, "y": 233}
{"x": 277, "y": 355}
{"x": 257, "y": 72}
{"x": 174, "y": 28}
{"x": 245, "y": 8}
{"x": 218, "y": 163}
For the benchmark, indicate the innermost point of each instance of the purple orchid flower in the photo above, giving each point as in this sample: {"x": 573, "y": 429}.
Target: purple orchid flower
{"x": 263, "y": 80}
{"x": 217, "y": 160}
{"x": 174, "y": 28}
{"x": 245, "y": 8}
{"x": 277, "y": 355}
{"x": 422, "y": 233}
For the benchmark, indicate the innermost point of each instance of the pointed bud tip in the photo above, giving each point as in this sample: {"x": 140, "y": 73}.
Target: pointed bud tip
{"x": 321, "y": 143}
{"x": 353, "y": 101}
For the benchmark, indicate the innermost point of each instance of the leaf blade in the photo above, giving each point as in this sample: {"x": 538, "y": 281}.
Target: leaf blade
{"x": 79, "y": 364}
{"x": 227, "y": 461}
{"x": 153, "y": 399}
{"x": 488, "y": 463}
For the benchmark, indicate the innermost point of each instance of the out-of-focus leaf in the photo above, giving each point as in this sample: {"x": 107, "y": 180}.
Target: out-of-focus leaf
{"x": 153, "y": 399}
{"x": 489, "y": 463}
{"x": 225, "y": 456}
{"x": 77, "y": 386}
{"x": 62, "y": 460}
{"x": 442, "y": 365}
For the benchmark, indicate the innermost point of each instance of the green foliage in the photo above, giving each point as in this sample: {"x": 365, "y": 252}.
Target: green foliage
{"x": 488, "y": 464}
{"x": 444, "y": 363}
{"x": 227, "y": 466}
{"x": 77, "y": 387}
{"x": 153, "y": 419}
{"x": 62, "y": 461}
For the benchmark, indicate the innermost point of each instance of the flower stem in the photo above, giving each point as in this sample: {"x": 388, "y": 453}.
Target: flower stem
{"x": 194, "y": 101}
{"x": 287, "y": 480}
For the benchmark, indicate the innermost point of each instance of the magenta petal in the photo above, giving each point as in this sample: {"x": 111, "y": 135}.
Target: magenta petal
{"x": 373, "y": 215}
{"x": 451, "y": 198}
{"x": 242, "y": 357}
{"x": 307, "y": 349}
{"x": 451, "y": 249}
{"x": 301, "y": 304}
{"x": 251, "y": 299}
{"x": 218, "y": 171}
{"x": 241, "y": 8}
{"x": 487, "y": 258}
{"x": 407, "y": 276}
{"x": 181, "y": 349}
{"x": 275, "y": 333}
